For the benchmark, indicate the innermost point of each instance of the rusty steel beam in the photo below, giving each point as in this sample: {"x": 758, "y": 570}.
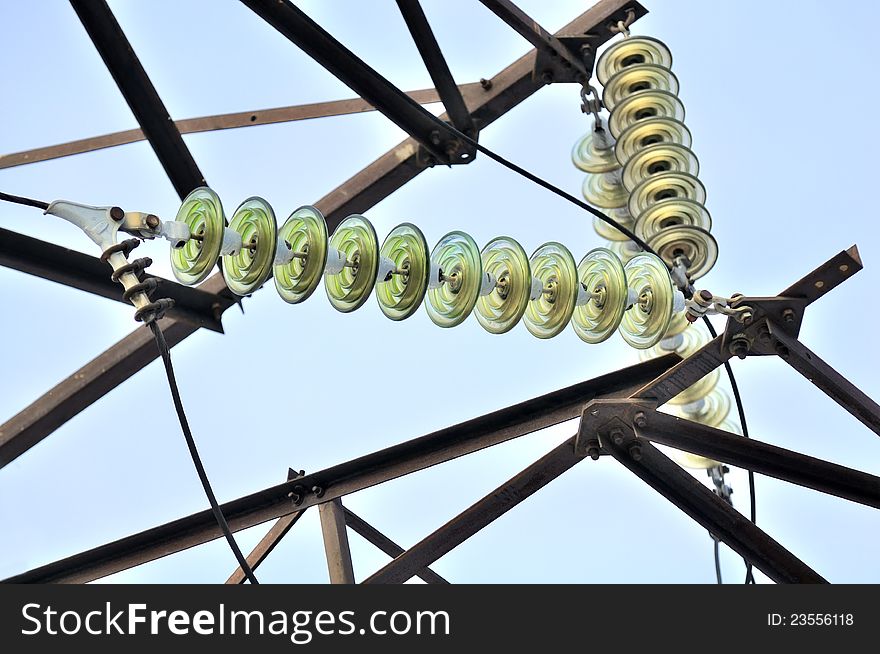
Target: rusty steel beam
{"x": 706, "y": 508}
{"x": 436, "y": 138}
{"x": 478, "y": 515}
{"x": 770, "y": 460}
{"x": 140, "y": 94}
{"x": 270, "y": 540}
{"x": 345, "y": 478}
{"x": 392, "y": 549}
{"x": 336, "y": 542}
{"x": 87, "y": 273}
{"x": 235, "y": 120}
{"x": 374, "y": 183}
{"x": 436, "y": 64}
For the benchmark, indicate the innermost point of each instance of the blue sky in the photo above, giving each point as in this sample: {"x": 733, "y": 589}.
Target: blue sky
{"x": 783, "y": 125}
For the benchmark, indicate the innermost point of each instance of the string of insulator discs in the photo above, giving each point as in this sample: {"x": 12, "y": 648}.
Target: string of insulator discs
{"x": 500, "y": 283}
{"x": 642, "y": 172}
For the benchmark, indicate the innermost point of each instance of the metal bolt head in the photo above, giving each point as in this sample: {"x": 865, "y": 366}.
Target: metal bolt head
{"x": 640, "y": 419}
{"x": 635, "y": 451}
{"x": 747, "y": 317}
{"x": 116, "y": 213}
{"x": 435, "y": 137}
{"x": 764, "y": 333}
{"x": 617, "y": 437}
{"x": 788, "y": 315}
{"x": 152, "y": 221}
{"x": 781, "y": 350}
{"x": 739, "y": 346}
{"x": 593, "y": 453}
{"x": 485, "y": 83}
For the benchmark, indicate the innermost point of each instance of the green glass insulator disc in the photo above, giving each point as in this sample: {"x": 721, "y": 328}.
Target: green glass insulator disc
{"x": 306, "y": 233}
{"x": 356, "y": 239}
{"x": 594, "y": 153}
{"x": 548, "y": 314}
{"x": 664, "y": 188}
{"x": 247, "y": 270}
{"x": 202, "y": 212}
{"x": 645, "y": 133}
{"x": 457, "y": 257}
{"x": 506, "y": 261}
{"x": 657, "y": 160}
{"x": 620, "y": 215}
{"x": 638, "y": 79}
{"x": 403, "y": 290}
{"x": 631, "y": 52}
{"x": 643, "y": 107}
{"x": 671, "y": 213}
{"x": 604, "y": 190}
{"x": 601, "y": 274}
{"x": 646, "y": 321}
{"x": 694, "y": 243}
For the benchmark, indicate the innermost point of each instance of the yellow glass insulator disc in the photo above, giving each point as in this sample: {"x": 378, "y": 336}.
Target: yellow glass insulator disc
{"x": 645, "y": 133}
{"x": 202, "y": 212}
{"x": 671, "y": 213}
{"x": 604, "y": 190}
{"x": 661, "y": 188}
{"x": 629, "y": 52}
{"x": 305, "y": 231}
{"x": 638, "y": 79}
{"x": 642, "y": 107}
{"x": 601, "y": 275}
{"x": 594, "y": 152}
{"x": 553, "y": 268}
{"x": 456, "y": 258}
{"x": 247, "y": 270}
{"x": 355, "y": 239}
{"x": 403, "y": 289}
{"x": 693, "y": 243}
{"x": 504, "y": 261}
{"x": 647, "y": 320}
{"x": 657, "y": 160}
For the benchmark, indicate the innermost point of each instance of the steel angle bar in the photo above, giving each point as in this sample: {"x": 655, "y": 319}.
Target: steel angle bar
{"x": 478, "y": 515}
{"x": 336, "y": 542}
{"x": 437, "y": 67}
{"x": 434, "y": 136}
{"x": 193, "y": 306}
{"x": 140, "y": 94}
{"x": 826, "y": 378}
{"x": 710, "y": 511}
{"x": 349, "y": 477}
{"x": 392, "y": 549}
{"x": 760, "y": 457}
{"x": 470, "y": 91}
